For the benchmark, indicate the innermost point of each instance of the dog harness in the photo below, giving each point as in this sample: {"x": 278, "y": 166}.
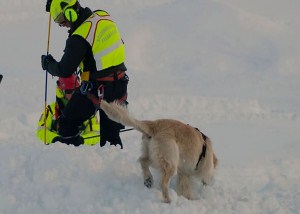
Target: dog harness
{"x": 203, "y": 153}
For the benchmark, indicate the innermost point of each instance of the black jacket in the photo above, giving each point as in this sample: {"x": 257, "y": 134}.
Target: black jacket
{"x": 78, "y": 49}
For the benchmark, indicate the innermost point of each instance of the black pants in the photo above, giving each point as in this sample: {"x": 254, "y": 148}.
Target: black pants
{"x": 109, "y": 130}
{"x": 80, "y": 108}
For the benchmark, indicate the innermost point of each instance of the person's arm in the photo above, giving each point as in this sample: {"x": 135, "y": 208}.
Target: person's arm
{"x": 74, "y": 53}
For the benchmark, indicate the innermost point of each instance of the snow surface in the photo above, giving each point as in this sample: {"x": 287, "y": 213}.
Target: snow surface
{"x": 228, "y": 67}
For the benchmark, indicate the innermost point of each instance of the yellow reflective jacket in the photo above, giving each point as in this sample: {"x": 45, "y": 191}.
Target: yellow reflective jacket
{"x": 90, "y": 132}
{"x": 104, "y": 37}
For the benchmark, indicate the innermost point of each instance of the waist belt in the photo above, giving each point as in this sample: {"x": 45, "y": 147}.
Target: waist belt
{"x": 112, "y": 77}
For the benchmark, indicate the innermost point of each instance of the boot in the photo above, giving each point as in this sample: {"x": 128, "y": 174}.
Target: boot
{"x": 102, "y": 142}
{"x": 76, "y": 141}
{"x": 116, "y": 140}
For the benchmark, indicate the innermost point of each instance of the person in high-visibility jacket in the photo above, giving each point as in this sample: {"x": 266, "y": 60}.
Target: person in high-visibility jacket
{"x": 89, "y": 129}
{"x": 95, "y": 46}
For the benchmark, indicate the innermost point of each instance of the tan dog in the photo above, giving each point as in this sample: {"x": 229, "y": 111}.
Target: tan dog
{"x": 171, "y": 147}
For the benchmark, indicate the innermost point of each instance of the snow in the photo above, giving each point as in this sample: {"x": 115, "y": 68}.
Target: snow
{"x": 228, "y": 67}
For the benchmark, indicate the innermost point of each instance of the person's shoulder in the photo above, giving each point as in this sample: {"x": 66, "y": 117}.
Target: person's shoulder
{"x": 76, "y": 39}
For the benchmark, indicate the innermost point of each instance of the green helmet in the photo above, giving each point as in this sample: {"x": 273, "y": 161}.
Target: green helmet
{"x": 58, "y": 9}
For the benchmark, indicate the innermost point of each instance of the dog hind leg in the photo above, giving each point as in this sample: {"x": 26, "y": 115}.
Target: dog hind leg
{"x": 167, "y": 171}
{"x": 145, "y": 162}
{"x": 148, "y": 178}
{"x": 165, "y": 155}
{"x": 184, "y": 186}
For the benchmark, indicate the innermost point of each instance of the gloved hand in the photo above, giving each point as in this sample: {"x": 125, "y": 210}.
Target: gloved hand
{"x": 48, "y": 4}
{"x": 86, "y": 86}
{"x": 45, "y": 59}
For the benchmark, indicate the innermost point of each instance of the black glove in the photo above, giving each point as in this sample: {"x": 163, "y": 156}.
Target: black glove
{"x": 45, "y": 59}
{"x": 48, "y": 4}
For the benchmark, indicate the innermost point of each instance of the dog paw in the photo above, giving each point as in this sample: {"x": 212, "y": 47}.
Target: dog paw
{"x": 167, "y": 201}
{"x": 148, "y": 182}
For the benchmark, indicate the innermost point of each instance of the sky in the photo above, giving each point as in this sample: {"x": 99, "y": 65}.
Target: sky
{"x": 228, "y": 67}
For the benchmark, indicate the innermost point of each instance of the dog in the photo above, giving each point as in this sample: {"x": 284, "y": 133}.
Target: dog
{"x": 172, "y": 147}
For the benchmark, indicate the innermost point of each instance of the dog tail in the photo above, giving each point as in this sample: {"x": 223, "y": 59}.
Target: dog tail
{"x": 120, "y": 114}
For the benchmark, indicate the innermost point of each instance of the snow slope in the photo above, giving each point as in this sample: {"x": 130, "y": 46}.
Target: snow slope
{"x": 228, "y": 67}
